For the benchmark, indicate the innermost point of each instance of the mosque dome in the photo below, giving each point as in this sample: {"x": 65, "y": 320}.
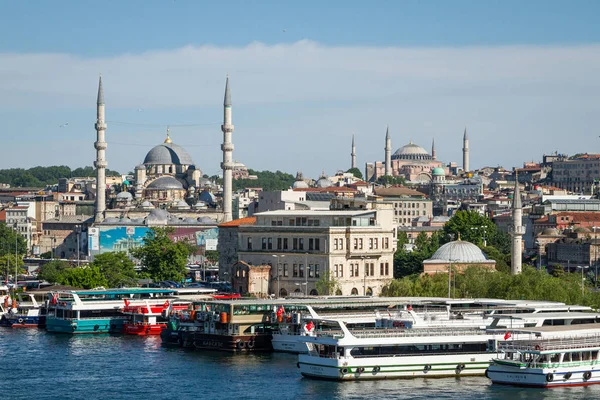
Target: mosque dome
{"x": 165, "y": 183}
{"x": 207, "y": 197}
{"x": 323, "y": 182}
{"x": 550, "y": 232}
{"x": 168, "y": 153}
{"x": 438, "y": 172}
{"x": 299, "y": 185}
{"x": 459, "y": 251}
{"x": 411, "y": 151}
{"x": 124, "y": 196}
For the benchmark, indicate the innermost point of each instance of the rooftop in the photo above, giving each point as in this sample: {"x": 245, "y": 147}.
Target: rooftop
{"x": 239, "y": 222}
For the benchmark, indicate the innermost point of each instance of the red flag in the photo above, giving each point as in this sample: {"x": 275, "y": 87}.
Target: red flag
{"x": 310, "y": 326}
{"x": 166, "y": 304}
{"x": 409, "y": 308}
{"x": 507, "y": 336}
{"x": 126, "y": 302}
{"x": 54, "y": 299}
{"x": 280, "y": 311}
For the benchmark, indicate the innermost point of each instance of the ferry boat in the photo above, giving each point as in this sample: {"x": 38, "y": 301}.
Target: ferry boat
{"x": 97, "y": 311}
{"x": 340, "y": 354}
{"x": 25, "y": 312}
{"x": 553, "y": 356}
{"x": 147, "y": 319}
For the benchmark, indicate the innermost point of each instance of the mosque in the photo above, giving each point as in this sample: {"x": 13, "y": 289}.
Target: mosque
{"x": 168, "y": 178}
{"x": 411, "y": 161}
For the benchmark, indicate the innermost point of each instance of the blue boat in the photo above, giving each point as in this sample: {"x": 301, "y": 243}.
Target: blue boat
{"x": 97, "y": 311}
{"x": 24, "y": 313}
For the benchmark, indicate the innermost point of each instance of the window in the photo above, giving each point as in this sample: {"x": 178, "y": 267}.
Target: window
{"x": 386, "y": 243}
{"x": 335, "y": 244}
{"x": 376, "y": 243}
{"x": 301, "y": 270}
{"x": 295, "y": 244}
{"x": 351, "y": 270}
{"x": 341, "y": 244}
{"x": 301, "y": 244}
{"x": 317, "y": 272}
{"x": 285, "y": 243}
{"x": 270, "y": 244}
{"x": 360, "y": 243}
{"x": 264, "y": 243}
{"x": 372, "y": 273}
{"x": 366, "y": 269}
{"x": 317, "y": 244}
{"x": 295, "y": 270}
{"x": 279, "y": 243}
{"x": 387, "y": 269}
{"x": 291, "y": 222}
{"x": 341, "y": 271}
{"x": 381, "y": 269}
{"x": 356, "y": 269}
{"x": 310, "y": 270}
{"x": 335, "y": 271}
{"x": 370, "y": 243}
{"x": 355, "y": 244}
{"x": 249, "y": 243}
{"x": 285, "y": 270}
{"x": 311, "y": 243}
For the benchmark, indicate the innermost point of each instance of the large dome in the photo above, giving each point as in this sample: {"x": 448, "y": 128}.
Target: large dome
{"x": 411, "y": 151}
{"x": 168, "y": 153}
{"x": 165, "y": 183}
{"x": 459, "y": 252}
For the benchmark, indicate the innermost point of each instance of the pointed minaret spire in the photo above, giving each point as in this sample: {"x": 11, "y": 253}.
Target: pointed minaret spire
{"x": 100, "y": 92}
{"x": 388, "y": 152}
{"x": 227, "y": 164}
{"x": 517, "y": 230}
{"x": 227, "y": 100}
{"x": 353, "y": 154}
{"x": 433, "y": 149}
{"x": 466, "y": 151}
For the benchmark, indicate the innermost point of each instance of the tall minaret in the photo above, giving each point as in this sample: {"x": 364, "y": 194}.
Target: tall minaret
{"x": 227, "y": 148}
{"x": 433, "y": 149}
{"x": 353, "y": 154}
{"x": 466, "y": 151}
{"x": 100, "y": 162}
{"x": 517, "y": 231}
{"x": 388, "y": 152}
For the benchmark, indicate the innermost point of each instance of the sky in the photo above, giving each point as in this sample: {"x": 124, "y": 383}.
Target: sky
{"x": 521, "y": 76}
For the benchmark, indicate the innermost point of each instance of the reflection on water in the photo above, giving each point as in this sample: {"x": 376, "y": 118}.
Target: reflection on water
{"x": 51, "y": 366}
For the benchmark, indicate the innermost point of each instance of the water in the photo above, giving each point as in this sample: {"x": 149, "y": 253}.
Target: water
{"x": 40, "y": 365}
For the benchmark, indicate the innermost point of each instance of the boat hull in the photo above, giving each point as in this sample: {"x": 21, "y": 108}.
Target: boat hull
{"x": 84, "y": 326}
{"x": 399, "y": 367}
{"x": 288, "y": 344}
{"x": 20, "y": 321}
{"x": 233, "y": 343}
{"x": 544, "y": 377}
{"x": 143, "y": 329}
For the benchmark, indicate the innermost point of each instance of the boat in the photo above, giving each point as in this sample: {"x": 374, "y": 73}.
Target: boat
{"x": 149, "y": 319}
{"x": 337, "y": 353}
{"x": 552, "y": 356}
{"x": 25, "y": 312}
{"x": 98, "y": 311}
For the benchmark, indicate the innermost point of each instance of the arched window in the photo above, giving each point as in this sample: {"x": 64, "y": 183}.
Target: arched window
{"x": 338, "y": 292}
{"x": 283, "y": 293}
{"x": 297, "y": 291}
{"x": 354, "y": 292}
{"x": 314, "y": 292}
{"x": 369, "y": 292}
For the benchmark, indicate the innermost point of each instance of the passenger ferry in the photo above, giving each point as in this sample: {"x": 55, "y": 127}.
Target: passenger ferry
{"x": 147, "y": 319}
{"x": 336, "y": 353}
{"x": 25, "y": 312}
{"x": 97, "y": 311}
{"x": 552, "y": 356}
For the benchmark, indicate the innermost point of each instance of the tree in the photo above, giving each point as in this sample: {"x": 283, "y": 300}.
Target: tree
{"x": 327, "y": 284}
{"x": 7, "y": 241}
{"x": 471, "y": 226}
{"x": 391, "y": 180}
{"x": 52, "y": 271}
{"x": 117, "y": 268}
{"x": 356, "y": 172}
{"x": 87, "y": 277}
{"x": 212, "y": 255}
{"x": 161, "y": 258}
{"x": 266, "y": 179}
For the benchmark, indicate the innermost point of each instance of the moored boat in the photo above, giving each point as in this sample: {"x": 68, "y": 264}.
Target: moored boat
{"x": 553, "y": 356}
{"x": 147, "y": 319}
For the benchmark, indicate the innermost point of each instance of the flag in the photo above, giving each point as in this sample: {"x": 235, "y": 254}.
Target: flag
{"x": 126, "y": 302}
{"x": 507, "y": 336}
{"x": 310, "y": 326}
{"x": 280, "y": 311}
{"x": 166, "y": 304}
{"x": 54, "y": 299}
{"x": 409, "y": 308}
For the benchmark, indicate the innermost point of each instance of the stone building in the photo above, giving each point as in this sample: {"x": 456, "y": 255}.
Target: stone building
{"x": 251, "y": 279}
{"x": 409, "y": 204}
{"x": 229, "y": 245}
{"x": 579, "y": 175}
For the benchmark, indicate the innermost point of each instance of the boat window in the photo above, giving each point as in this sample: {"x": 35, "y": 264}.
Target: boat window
{"x": 358, "y": 352}
{"x": 575, "y": 357}
{"x": 555, "y": 358}
{"x": 567, "y": 357}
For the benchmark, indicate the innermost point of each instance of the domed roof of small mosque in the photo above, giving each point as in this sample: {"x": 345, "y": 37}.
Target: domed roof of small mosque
{"x": 459, "y": 251}
{"x": 438, "y": 172}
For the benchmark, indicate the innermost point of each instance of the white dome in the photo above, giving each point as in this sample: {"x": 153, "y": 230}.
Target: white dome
{"x": 459, "y": 252}
{"x": 299, "y": 185}
{"x": 411, "y": 151}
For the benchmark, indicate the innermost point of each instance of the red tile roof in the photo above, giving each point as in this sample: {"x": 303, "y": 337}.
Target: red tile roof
{"x": 239, "y": 222}
{"x": 2, "y": 215}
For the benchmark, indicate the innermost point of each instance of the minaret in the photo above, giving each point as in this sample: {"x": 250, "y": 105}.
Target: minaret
{"x": 517, "y": 231}
{"x": 466, "y": 151}
{"x": 433, "y": 149}
{"x": 100, "y": 162}
{"x": 388, "y": 152}
{"x": 227, "y": 148}
{"x": 353, "y": 154}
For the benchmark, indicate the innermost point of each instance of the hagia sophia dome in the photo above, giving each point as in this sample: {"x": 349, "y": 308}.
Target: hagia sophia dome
{"x": 411, "y": 151}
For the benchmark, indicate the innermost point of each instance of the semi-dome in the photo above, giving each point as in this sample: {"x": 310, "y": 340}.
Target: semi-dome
{"x": 124, "y": 196}
{"x": 550, "y": 232}
{"x": 323, "y": 182}
{"x": 411, "y": 151}
{"x": 168, "y": 153}
{"x": 299, "y": 185}
{"x": 165, "y": 183}
{"x": 459, "y": 251}
{"x": 438, "y": 172}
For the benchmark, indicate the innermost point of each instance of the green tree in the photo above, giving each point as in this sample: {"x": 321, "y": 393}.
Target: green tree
{"x": 356, "y": 172}
{"x": 161, "y": 258}
{"x": 327, "y": 284}
{"x": 52, "y": 271}
{"x": 266, "y": 179}
{"x": 9, "y": 239}
{"x": 87, "y": 277}
{"x": 117, "y": 268}
{"x": 391, "y": 180}
{"x": 212, "y": 255}
{"x": 470, "y": 226}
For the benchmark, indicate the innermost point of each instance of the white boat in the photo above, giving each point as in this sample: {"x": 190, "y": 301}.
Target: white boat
{"x": 341, "y": 354}
{"x": 552, "y": 356}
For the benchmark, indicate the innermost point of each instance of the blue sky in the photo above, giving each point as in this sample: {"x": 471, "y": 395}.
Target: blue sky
{"x": 521, "y": 75}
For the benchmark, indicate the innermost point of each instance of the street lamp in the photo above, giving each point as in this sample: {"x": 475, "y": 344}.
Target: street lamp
{"x": 77, "y": 231}
{"x": 582, "y": 268}
{"x": 306, "y": 270}
{"x": 539, "y": 246}
{"x": 595, "y": 257}
{"x": 278, "y": 270}
{"x": 16, "y": 256}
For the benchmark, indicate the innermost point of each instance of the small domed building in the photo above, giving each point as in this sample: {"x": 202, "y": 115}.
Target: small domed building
{"x": 460, "y": 254}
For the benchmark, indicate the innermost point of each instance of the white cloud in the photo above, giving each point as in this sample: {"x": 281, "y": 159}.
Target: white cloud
{"x": 296, "y": 102}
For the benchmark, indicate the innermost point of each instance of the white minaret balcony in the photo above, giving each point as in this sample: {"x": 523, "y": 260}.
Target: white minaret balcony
{"x": 227, "y": 146}
{"x": 100, "y": 126}
{"x": 100, "y": 164}
{"x": 227, "y": 127}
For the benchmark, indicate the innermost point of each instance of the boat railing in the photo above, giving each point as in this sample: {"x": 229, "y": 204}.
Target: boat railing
{"x": 551, "y": 344}
{"x": 387, "y": 333}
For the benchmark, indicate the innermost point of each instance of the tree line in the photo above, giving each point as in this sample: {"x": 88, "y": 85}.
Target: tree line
{"x": 44, "y": 176}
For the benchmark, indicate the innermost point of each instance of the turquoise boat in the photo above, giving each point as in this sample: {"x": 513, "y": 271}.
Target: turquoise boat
{"x": 98, "y": 311}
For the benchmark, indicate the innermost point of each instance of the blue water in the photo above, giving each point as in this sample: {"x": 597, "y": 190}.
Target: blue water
{"x": 39, "y": 365}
